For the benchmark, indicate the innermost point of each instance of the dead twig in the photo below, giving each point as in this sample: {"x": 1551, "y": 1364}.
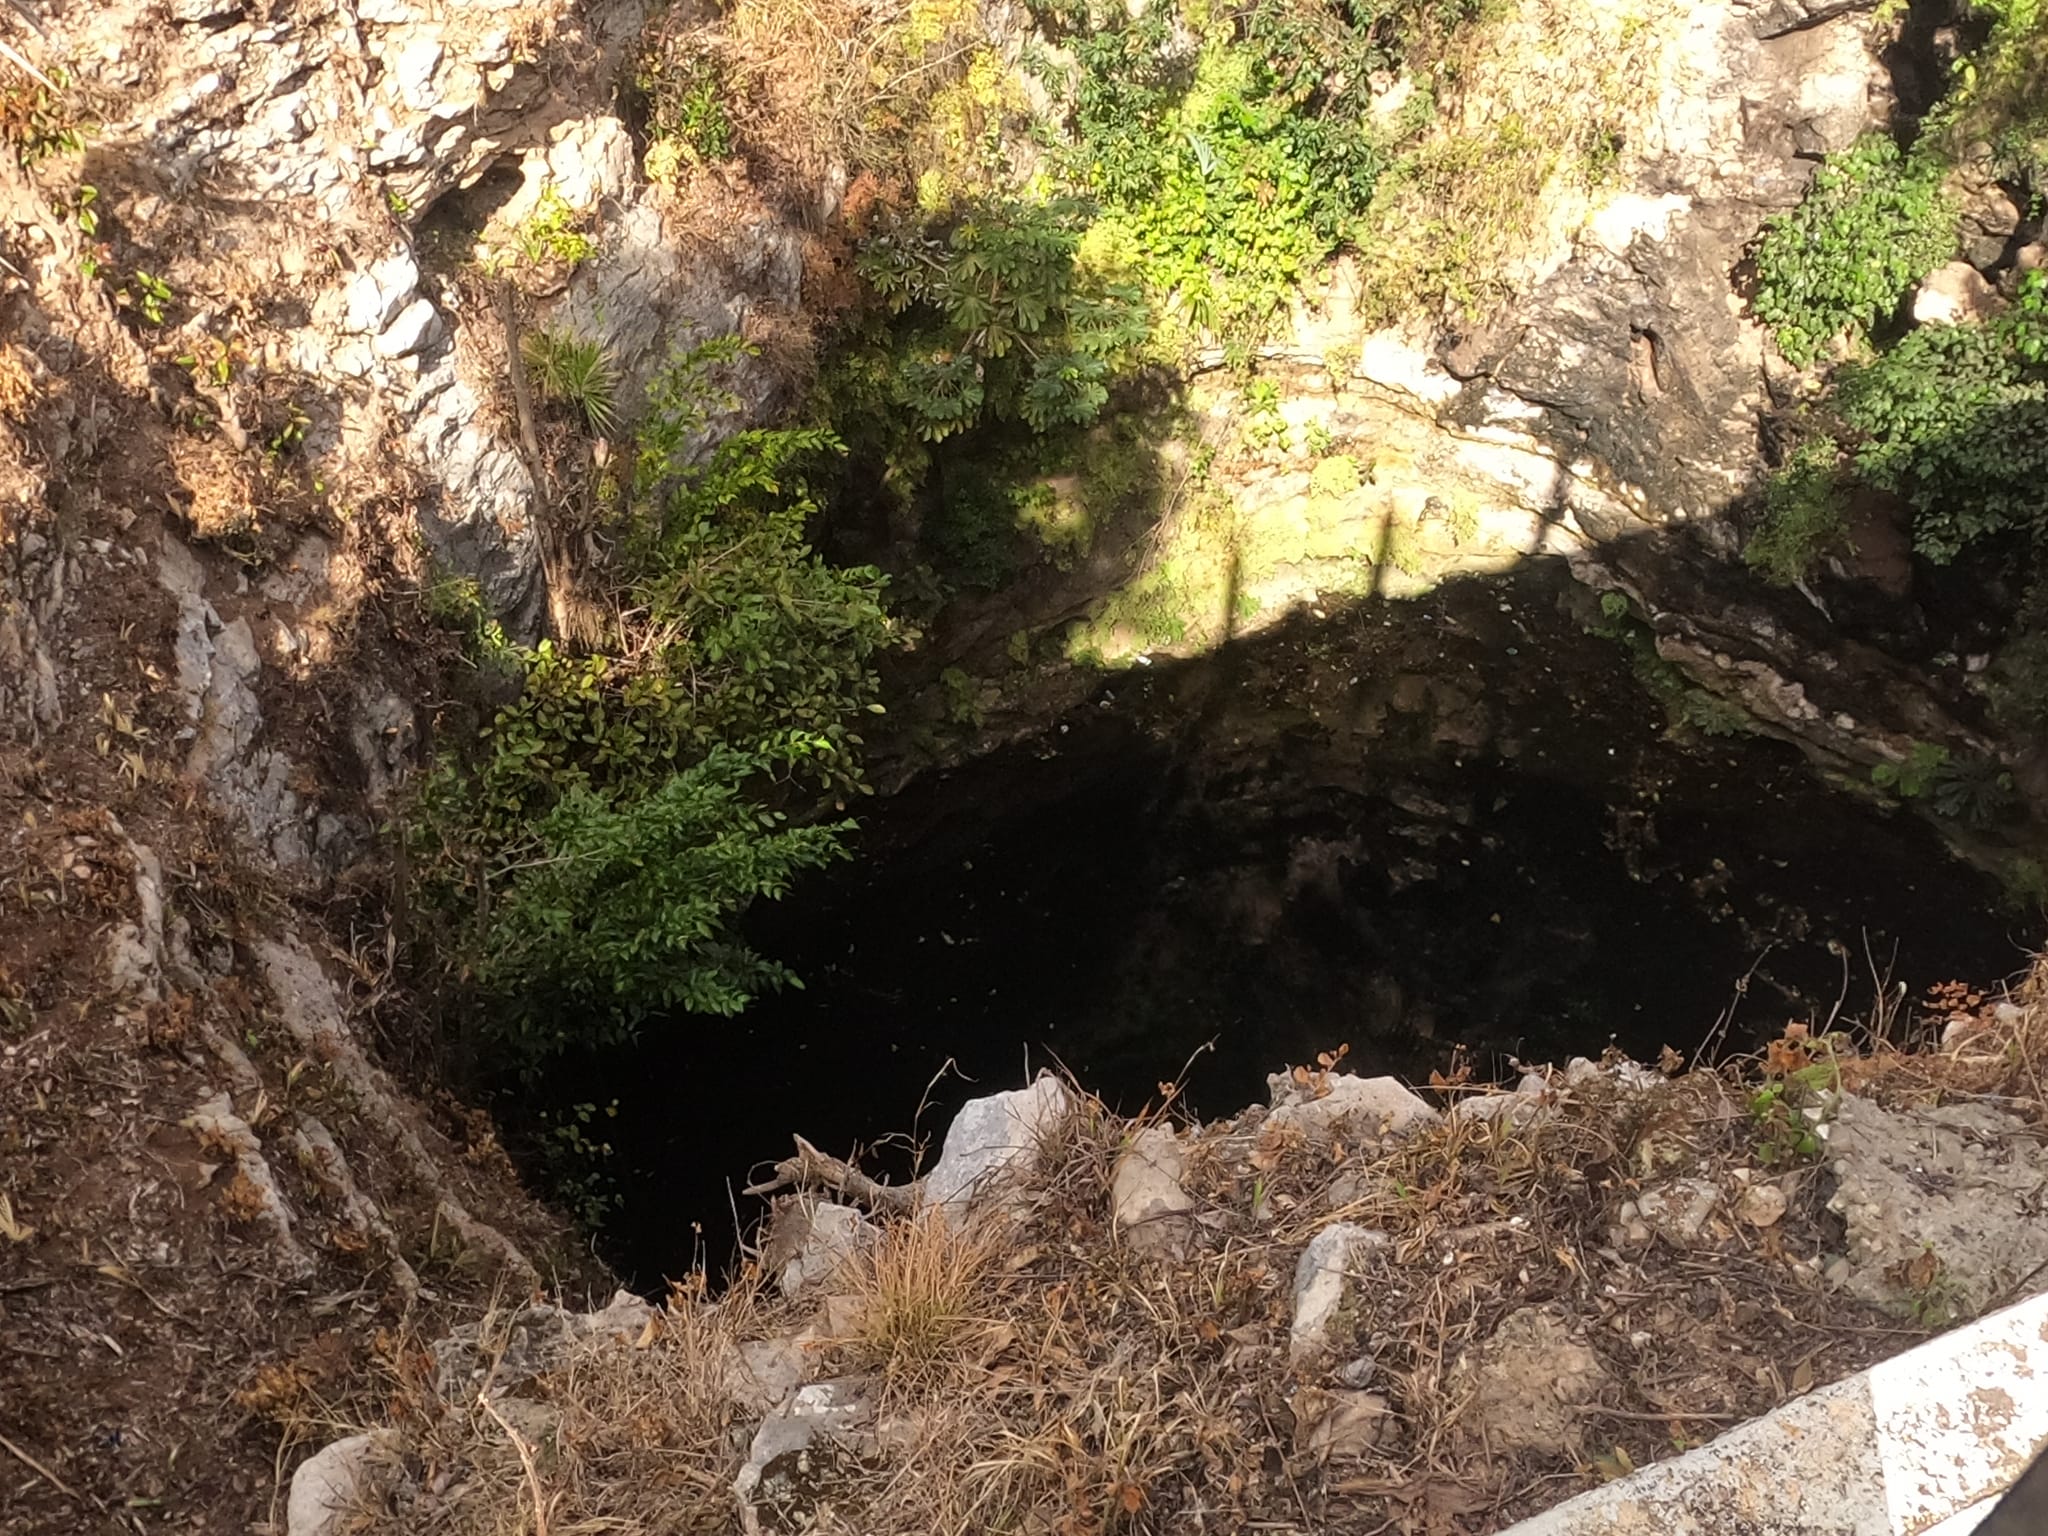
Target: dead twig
{"x": 45, "y": 1473}
{"x": 812, "y": 1169}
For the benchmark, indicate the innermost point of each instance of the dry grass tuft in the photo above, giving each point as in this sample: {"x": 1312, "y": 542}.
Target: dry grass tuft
{"x": 221, "y": 487}
{"x": 919, "y": 1292}
{"x": 1993, "y": 1048}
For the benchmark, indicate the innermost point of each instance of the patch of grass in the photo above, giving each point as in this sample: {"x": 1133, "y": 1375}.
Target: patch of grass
{"x": 1804, "y": 515}
{"x": 1998, "y": 100}
{"x": 569, "y": 370}
{"x": 919, "y": 1289}
{"x": 686, "y": 89}
{"x": 1538, "y": 101}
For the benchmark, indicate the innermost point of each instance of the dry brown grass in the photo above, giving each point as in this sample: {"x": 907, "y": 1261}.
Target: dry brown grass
{"x": 623, "y": 1437}
{"x": 917, "y": 1292}
{"x": 222, "y": 489}
{"x": 1993, "y": 1049}
{"x": 1035, "y": 1374}
{"x": 828, "y": 88}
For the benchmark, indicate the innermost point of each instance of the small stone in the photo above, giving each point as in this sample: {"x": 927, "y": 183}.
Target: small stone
{"x": 1677, "y": 1211}
{"x": 412, "y": 72}
{"x": 1636, "y": 1235}
{"x": 1762, "y": 1205}
{"x": 1146, "y": 1200}
{"x": 378, "y": 292}
{"x": 332, "y": 1486}
{"x": 1956, "y": 294}
{"x": 829, "y": 1411}
{"x": 1359, "y": 1372}
{"x": 1838, "y": 1272}
{"x": 1319, "y": 1283}
{"x": 1529, "y": 1386}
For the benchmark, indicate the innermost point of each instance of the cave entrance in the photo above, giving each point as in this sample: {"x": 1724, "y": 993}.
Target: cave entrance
{"x": 1453, "y": 828}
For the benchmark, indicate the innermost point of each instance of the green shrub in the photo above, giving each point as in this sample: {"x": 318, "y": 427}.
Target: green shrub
{"x": 626, "y": 905}
{"x": 995, "y": 322}
{"x": 1687, "y": 706}
{"x": 1873, "y": 223}
{"x": 1955, "y": 420}
{"x": 1228, "y": 171}
{"x": 595, "y": 847}
{"x": 1803, "y": 518}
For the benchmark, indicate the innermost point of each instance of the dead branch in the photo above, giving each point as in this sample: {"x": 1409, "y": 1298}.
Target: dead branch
{"x": 812, "y": 1169}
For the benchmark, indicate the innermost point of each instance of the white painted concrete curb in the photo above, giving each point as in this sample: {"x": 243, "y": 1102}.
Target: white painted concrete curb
{"x": 1917, "y": 1446}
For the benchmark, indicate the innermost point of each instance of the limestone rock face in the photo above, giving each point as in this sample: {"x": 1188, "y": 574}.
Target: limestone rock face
{"x": 1615, "y": 403}
{"x": 279, "y": 160}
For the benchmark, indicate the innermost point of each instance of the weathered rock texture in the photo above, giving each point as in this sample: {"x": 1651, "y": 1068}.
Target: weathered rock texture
{"x": 1620, "y": 410}
{"x": 274, "y": 166}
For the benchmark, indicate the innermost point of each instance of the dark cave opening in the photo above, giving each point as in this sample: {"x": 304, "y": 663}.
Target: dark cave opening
{"x": 1456, "y": 828}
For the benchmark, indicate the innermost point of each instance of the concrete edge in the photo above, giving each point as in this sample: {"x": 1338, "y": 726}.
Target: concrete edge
{"x": 1918, "y": 1445}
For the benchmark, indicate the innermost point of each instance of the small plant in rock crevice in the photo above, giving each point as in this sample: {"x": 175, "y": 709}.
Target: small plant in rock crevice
{"x": 552, "y": 235}
{"x": 1685, "y": 703}
{"x": 1785, "y": 1113}
{"x": 1804, "y": 516}
{"x": 572, "y": 371}
{"x": 1973, "y": 789}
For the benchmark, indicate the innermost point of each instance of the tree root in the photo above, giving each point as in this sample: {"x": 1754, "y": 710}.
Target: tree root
{"x": 307, "y": 1006}
{"x": 216, "y": 1124}
{"x": 323, "y": 1159}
